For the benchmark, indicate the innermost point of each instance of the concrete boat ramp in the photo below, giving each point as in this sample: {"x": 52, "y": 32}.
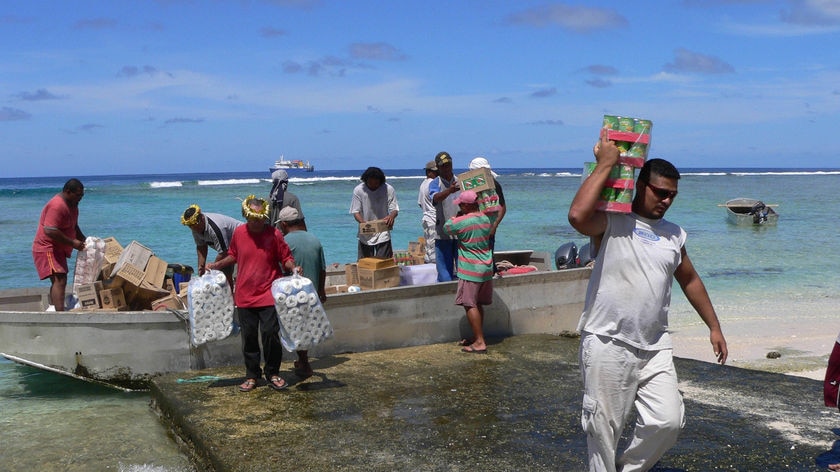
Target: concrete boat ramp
{"x": 433, "y": 408}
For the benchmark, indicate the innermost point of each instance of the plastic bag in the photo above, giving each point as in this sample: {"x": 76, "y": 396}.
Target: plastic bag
{"x": 303, "y": 322}
{"x": 88, "y": 262}
{"x": 211, "y": 308}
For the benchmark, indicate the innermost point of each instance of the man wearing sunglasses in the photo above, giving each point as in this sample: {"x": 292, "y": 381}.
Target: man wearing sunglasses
{"x": 626, "y": 351}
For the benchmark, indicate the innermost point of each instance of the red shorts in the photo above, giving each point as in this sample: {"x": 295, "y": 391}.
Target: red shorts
{"x": 49, "y": 263}
{"x": 472, "y": 294}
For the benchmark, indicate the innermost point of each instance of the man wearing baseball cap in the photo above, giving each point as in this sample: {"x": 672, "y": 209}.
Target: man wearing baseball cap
{"x": 443, "y": 191}
{"x": 471, "y": 227}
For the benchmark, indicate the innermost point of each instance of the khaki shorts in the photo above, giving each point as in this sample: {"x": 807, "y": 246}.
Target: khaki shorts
{"x": 472, "y": 294}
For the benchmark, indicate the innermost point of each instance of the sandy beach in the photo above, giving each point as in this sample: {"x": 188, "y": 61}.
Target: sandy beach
{"x": 803, "y": 337}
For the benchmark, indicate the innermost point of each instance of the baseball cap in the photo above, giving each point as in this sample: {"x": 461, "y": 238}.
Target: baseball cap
{"x": 467, "y": 196}
{"x": 443, "y": 158}
{"x": 288, "y": 214}
{"x": 431, "y": 165}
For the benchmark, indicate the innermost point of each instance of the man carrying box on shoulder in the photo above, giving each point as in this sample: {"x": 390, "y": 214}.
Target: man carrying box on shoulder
{"x": 626, "y": 354}
{"x": 471, "y": 227}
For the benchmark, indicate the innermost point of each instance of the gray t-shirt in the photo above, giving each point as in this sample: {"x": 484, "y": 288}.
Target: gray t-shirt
{"x": 217, "y": 232}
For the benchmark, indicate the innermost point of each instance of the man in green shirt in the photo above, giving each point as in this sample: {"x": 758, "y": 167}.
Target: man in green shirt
{"x": 309, "y": 255}
{"x": 475, "y": 265}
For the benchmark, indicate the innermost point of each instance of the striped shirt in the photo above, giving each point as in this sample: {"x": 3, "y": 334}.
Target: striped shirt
{"x": 475, "y": 259}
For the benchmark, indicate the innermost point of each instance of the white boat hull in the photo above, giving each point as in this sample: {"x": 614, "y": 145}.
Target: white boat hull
{"x": 128, "y": 348}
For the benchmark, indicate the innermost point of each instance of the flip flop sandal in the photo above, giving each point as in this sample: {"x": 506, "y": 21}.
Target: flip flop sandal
{"x": 277, "y": 383}
{"x": 472, "y": 350}
{"x": 248, "y": 385}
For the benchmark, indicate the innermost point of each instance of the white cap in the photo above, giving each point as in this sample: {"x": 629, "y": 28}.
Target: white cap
{"x": 480, "y": 162}
{"x": 280, "y": 175}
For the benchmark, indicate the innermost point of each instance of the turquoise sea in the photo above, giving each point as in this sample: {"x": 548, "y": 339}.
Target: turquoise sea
{"x": 46, "y": 419}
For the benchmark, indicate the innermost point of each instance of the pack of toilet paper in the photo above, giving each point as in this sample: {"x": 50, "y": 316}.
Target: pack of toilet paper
{"x": 303, "y": 322}
{"x": 211, "y": 308}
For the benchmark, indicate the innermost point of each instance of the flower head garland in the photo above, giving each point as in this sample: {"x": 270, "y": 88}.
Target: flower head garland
{"x": 193, "y": 219}
{"x": 249, "y": 213}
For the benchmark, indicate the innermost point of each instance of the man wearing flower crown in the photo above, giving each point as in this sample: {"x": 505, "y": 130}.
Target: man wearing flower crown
{"x": 262, "y": 255}
{"x": 210, "y": 230}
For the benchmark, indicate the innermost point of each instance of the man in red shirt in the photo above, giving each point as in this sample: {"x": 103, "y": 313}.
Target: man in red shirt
{"x": 57, "y": 235}
{"x": 262, "y": 256}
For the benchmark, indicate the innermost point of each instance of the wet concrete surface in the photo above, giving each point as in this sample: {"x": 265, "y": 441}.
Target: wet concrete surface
{"x": 433, "y": 408}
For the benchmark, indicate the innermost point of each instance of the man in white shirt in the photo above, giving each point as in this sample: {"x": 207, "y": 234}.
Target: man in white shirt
{"x": 625, "y": 350}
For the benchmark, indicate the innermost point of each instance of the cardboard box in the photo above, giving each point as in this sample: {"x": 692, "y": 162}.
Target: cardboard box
{"x": 135, "y": 254}
{"x": 129, "y": 273}
{"x": 140, "y": 297}
{"x": 373, "y": 227}
{"x": 334, "y": 289}
{"x": 370, "y": 279}
{"x": 88, "y": 298}
{"x": 417, "y": 248}
{"x": 155, "y": 271}
{"x": 351, "y": 274}
{"x": 477, "y": 180}
{"x": 183, "y": 288}
{"x": 169, "y": 286}
{"x": 375, "y": 263}
{"x": 113, "y": 250}
{"x": 113, "y": 299}
{"x": 421, "y": 274}
{"x": 168, "y": 302}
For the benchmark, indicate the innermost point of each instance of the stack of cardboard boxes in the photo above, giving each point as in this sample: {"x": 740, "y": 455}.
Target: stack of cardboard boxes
{"x": 415, "y": 254}
{"x": 132, "y": 278}
{"x": 632, "y": 137}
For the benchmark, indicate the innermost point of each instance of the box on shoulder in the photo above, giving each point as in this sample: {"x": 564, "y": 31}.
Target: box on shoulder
{"x": 477, "y": 180}
{"x": 373, "y": 227}
{"x": 375, "y": 262}
{"x": 370, "y": 279}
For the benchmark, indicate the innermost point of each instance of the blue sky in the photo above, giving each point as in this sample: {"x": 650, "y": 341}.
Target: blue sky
{"x": 122, "y": 87}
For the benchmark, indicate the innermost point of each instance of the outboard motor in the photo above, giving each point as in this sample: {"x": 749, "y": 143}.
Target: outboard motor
{"x": 759, "y": 212}
{"x": 566, "y": 256}
{"x": 585, "y": 255}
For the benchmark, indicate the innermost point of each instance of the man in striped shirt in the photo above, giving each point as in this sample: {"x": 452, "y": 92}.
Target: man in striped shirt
{"x": 475, "y": 265}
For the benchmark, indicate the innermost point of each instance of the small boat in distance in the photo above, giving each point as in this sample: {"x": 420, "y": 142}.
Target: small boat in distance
{"x": 293, "y": 165}
{"x": 750, "y": 212}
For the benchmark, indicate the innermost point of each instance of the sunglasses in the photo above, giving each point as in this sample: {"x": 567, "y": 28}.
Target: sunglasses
{"x": 662, "y": 193}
